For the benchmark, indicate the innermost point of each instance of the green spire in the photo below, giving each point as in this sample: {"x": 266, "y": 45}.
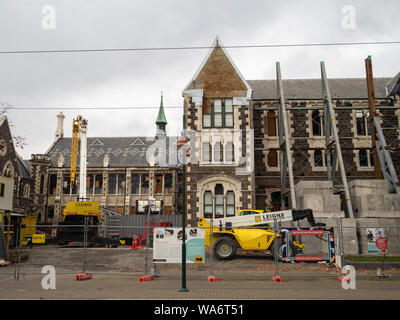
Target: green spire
{"x": 161, "y": 116}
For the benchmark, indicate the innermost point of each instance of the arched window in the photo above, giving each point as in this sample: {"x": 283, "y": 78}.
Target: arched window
{"x": 8, "y": 170}
{"x": 219, "y": 201}
{"x": 316, "y": 123}
{"x": 27, "y": 191}
{"x": 270, "y": 123}
{"x": 230, "y": 204}
{"x": 218, "y": 152}
{"x": 41, "y": 188}
{"x": 206, "y": 152}
{"x": 208, "y": 204}
{"x": 229, "y": 152}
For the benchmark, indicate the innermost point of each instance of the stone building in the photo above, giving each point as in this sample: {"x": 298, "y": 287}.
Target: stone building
{"x": 12, "y": 166}
{"x": 119, "y": 173}
{"x": 225, "y": 173}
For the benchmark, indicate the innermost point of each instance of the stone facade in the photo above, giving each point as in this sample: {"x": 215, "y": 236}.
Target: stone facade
{"x": 218, "y": 78}
{"x": 12, "y": 166}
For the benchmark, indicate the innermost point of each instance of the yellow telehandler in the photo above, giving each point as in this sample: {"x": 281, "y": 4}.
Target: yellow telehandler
{"x": 231, "y": 233}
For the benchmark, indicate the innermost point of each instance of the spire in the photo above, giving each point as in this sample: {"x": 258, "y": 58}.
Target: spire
{"x": 161, "y": 116}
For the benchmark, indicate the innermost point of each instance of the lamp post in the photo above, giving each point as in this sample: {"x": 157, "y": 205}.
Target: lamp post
{"x": 181, "y": 143}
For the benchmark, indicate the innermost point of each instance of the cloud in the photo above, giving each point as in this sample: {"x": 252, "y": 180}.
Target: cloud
{"x": 136, "y": 78}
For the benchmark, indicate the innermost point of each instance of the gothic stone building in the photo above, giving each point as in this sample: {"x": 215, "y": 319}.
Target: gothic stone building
{"x": 12, "y": 166}
{"x": 118, "y": 174}
{"x": 218, "y": 102}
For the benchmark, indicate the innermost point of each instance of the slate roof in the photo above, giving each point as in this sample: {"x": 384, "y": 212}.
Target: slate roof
{"x": 340, "y": 88}
{"x": 393, "y": 86}
{"x": 122, "y": 151}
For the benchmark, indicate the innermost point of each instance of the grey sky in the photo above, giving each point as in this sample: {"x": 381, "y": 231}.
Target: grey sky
{"x": 136, "y": 78}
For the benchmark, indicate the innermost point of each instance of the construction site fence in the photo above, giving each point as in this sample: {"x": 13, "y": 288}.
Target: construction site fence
{"x": 374, "y": 250}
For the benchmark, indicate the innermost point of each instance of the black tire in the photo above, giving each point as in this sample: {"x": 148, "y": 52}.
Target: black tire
{"x": 225, "y": 248}
{"x": 280, "y": 247}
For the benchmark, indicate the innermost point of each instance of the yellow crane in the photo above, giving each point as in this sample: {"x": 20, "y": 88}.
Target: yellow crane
{"x": 76, "y": 123}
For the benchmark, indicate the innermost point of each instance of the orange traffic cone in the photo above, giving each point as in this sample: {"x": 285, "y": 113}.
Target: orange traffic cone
{"x": 134, "y": 242}
{"x": 140, "y": 241}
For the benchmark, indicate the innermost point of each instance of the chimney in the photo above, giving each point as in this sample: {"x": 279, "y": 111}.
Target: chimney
{"x": 60, "y": 126}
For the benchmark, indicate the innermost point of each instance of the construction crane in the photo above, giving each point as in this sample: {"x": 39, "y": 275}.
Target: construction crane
{"x": 79, "y": 128}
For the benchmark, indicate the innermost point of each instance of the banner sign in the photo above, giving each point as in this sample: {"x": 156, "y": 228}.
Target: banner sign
{"x": 167, "y": 245}
{"x": 377, "y": 240}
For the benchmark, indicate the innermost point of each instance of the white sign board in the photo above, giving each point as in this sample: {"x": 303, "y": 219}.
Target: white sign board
{"x": 167, "y": 245}
{"x": 6, "y": 193}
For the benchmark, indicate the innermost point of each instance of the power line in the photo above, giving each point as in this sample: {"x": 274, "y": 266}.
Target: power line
{"x": 200, "y": 47}
{"x": 89, "y": 108}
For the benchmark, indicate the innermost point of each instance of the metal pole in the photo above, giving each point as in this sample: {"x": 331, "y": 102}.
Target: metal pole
{"x": 284, "y": 139}
{"x": 372, "y": 114}
{"x": 276, "y": 272}
{"x": 327, "y": 99}
{"x": 85, "y": 239}
{"x": 146, "y": 263}
{"x": 183, "y": 287}
{"x": 212, "y": 245}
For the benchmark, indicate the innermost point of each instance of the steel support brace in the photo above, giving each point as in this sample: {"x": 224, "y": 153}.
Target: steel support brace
{"x": 333, "y": 150}
{"x": 385, "y": 160}
{"x": 285, "y": 157}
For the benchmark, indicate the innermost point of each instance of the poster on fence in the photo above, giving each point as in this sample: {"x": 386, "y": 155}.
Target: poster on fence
{"x": 377, "y": 240}
{"x": 167, "y": 245}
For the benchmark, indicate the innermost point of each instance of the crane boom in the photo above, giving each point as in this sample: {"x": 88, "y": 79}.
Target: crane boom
{"x": 261, "y": 218}
{"x": 74, "y": 149}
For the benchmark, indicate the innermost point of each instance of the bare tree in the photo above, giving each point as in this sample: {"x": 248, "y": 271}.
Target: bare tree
{"x": 19, "y": 141}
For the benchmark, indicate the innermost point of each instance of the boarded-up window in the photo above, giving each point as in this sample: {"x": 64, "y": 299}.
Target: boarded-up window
{"x": 273, "y": 158}
{"x": 270, "y": 123}
{"x": 167, "y": 210}
{"x": 133, "y": 210}
{"x": 120, "y": 209}
{"x": 159, "y": 184}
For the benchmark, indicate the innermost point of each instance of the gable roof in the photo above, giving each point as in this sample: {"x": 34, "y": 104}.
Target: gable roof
{"x": 340, "y": 88}
{"x": 122, "y": 151}
{"x": 217, "y": 44}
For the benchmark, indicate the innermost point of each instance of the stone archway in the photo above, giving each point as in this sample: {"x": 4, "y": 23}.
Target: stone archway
{"x": 209, "y": 184}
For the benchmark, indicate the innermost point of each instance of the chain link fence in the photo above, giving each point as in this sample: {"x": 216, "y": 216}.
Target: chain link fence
{"x": 278, "y": 251}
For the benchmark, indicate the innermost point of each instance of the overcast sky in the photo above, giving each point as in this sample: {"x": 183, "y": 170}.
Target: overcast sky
{"x": 112, "y": 79}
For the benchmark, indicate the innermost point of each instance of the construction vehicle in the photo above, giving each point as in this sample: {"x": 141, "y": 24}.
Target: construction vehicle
{"x": 76, "y": 212}
{"x": 228, "y": 234}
